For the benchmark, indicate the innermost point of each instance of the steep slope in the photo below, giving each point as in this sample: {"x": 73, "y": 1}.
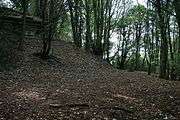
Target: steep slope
{"x": 74, "y": 85}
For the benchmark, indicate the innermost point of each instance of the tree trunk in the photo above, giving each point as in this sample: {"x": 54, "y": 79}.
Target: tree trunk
{"x": 24, "y": 5}
{"x": 138, "y": 37}
{"x": 88, "y": 26}
{"x": 177, "y": 10}
{"x": 164, "y": 42}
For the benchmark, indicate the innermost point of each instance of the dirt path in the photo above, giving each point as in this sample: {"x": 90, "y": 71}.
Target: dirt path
{"x": 73, "y": 85}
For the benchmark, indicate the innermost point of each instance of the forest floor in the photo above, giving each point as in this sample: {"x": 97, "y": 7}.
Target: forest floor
{"x": 74, "y": 85}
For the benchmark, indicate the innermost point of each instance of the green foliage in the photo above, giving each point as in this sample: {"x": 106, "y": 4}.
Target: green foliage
{"x": 131, "y": 64}
{"x": 137, "y": 14}
{"x": 64, "y": 29}
{"x": 32, "y": 7}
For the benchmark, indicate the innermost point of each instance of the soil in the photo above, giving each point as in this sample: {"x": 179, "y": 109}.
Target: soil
{"x": 75, "y": 85}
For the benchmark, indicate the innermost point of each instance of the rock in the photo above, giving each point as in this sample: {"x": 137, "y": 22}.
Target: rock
{"x": 54, "y": 105}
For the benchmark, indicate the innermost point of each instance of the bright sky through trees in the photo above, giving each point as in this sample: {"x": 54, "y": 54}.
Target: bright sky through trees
{"x": 142, "y": 2}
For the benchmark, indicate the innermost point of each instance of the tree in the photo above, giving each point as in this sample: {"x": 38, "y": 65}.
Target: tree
{"x": 164, "y": 43}
{"x": 24, "y": 4}
{"x": 177, "y": 10}
{"x": 88, "y": 24}
{"x": 51, "y": 12}
{"x": 76, "y": 20}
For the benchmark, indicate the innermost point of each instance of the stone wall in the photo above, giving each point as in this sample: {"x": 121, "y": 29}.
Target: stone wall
{"x": 10, "y": 34}
{"x": 8, "y": 45}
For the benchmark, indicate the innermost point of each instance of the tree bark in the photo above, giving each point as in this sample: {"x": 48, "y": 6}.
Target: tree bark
{"x": 24, "y": 6}
{"x": 164, "y": 42}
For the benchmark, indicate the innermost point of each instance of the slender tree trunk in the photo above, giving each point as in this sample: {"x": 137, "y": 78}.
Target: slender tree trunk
{"x": 177, "y": 10}
{"x": 76, "y": 21}
{"x": 138, "y": 37}
{"x": 108, "y": 28}
{"x": 172, "y": 61}
{"x": 98, "y": 7}
{"x": 157, "y": 44}
{"x": 44, "y": 29}
{"x": 164, "y": 42}
{"x": 24, "y": 5}
{"x": 123, "y": 49}
{"x": 88, "y": 26}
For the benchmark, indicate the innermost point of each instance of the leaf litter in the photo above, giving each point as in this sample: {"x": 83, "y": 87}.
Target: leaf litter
{"x": 75, "y": 85}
